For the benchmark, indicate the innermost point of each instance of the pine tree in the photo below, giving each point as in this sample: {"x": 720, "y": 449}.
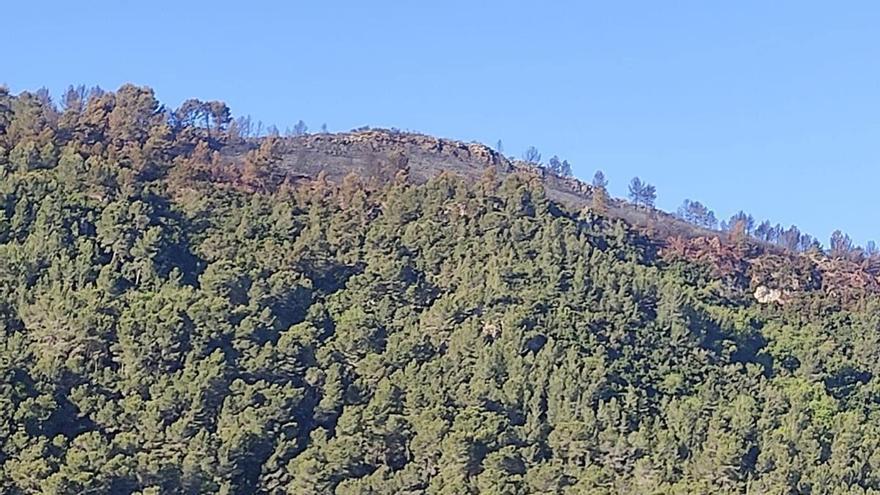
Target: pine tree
{"x": 600, "y": 198}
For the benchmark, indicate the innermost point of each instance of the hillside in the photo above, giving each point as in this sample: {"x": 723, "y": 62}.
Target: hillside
{"x": 186, "y": 311}
{"x": 376, "y": 154}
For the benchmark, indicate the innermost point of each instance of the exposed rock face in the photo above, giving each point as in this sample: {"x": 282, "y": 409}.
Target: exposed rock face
{"x": 766, "y": 295}
{"x": 384, "y": 141}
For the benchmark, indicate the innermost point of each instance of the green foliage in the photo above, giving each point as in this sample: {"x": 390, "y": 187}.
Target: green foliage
{"x": 164, "y": 331}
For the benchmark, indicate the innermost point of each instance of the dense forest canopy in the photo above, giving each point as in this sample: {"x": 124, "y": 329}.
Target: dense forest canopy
{"x": 172, "y": 322}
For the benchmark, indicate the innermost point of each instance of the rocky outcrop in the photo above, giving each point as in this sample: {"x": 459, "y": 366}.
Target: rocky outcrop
{"x": 388, "y": 141}
{"x": 766, "y": 295}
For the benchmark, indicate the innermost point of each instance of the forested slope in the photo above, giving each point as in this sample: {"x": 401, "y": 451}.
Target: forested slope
{"x": 171, "y": 322}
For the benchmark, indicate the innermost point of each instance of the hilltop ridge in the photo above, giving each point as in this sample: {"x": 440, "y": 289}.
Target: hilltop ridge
{"x": 376, "y": 154}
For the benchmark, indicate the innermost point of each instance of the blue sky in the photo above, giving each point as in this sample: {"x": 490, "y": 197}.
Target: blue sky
{"x": 771, "y": 107}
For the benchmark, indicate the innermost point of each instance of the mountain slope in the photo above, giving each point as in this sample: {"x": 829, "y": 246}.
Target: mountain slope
{"x": 184, "y": 314}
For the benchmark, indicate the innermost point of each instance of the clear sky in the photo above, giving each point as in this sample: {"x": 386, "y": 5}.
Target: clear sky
{"x": 772, "y": 107}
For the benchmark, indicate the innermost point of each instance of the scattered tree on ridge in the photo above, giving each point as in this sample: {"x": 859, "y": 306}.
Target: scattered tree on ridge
{"x": 642, "y": 193}
{"x": 532, "y": 155}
